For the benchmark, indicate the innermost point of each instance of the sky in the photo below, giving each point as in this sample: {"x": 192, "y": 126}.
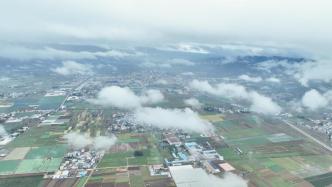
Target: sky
{"x": 303, "y": 24}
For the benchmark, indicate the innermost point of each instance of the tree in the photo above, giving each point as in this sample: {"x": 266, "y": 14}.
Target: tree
{"x": 138, "y": 153}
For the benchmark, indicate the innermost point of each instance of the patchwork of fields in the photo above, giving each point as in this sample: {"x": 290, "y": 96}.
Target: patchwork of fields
{"x": 36, "y": 151}
{"x": 269, "y": 154}
{"x": 133, "y": 177}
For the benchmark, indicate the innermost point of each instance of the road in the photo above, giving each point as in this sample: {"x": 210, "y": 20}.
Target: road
{"x": 308, "y": 135}
{"x": 74, "y": 89}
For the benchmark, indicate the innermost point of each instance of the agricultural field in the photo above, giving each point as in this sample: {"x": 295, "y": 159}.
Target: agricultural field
{"x": 150, "y": 156}
{"x": 36, "y": 181}
{"x": 213, "y": 118}
{"x": 37, "y": 150}
{"x": 271, "y": 155}
{"x": 39, "y": 136}
{"x": 131, "y": 177}
{"x": 33, "y": 159}
{"x": 321, "y": 180}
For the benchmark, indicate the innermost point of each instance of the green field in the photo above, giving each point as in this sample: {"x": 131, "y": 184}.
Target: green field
{"x": 45, "y": 154}
{"x": 38, "y": 165}
{"x": 115, "y": 159}
{"x": 138, "y": 177}
{"x": 321, "y": 180}
{"x": 129, "y": 138}
{"x": 273, "y": 154}
{"x": 56, "y": 151}
{"x": 150, "y": 156}
{"x": 35, "y": 181}
{"x": 39, "y": 136}
{"x": 136, "y": 181}
{"x": 8, "y": 166}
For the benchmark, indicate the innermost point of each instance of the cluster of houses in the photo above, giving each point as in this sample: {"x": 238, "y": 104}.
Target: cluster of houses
{"x": 77, "y": 163}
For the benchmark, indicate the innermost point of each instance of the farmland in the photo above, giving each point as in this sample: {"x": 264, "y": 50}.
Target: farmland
{"x": 134, "y": 177}
{"x": 269, "y": 154}
{"x": 37, "y": 150}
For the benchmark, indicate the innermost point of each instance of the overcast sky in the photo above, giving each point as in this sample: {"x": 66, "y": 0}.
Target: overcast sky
{"x": 302, "y": 24}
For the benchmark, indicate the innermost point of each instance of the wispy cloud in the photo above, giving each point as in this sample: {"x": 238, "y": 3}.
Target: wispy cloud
{"x": 22, "y": 53}
{"x": 78, "y": 141}
{"x": 314, "y": 100}
{"x": 185, "y": 119}
{"x": 256, "y": 21}
{"x": 125, "y": 98}
{"x": 259, "y": 103}
{"x": 193, "y": 102}
{"x": 73, "y": 68}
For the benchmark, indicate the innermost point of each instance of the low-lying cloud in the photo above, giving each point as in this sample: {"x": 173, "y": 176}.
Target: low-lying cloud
{"x": 193, "y": 102}
{"x": 179, "y": 61}
{"x": 3, "y": 132}
{"x": 250, "y": 79}
{"x": 314, "y": 71}
{"x": 273, "y": 79}
{"x": 48, "y": 53}
{"x": 162, "y": 81}
{"x": 185, "y": 119}
{"x": 258, "y": 79}
{"x": 103, "y": 142}
{"x": 314, "y": 100}
{"x": 168, "y": 64}
{"x": 259, "y": 103}
{"x": 79, "y": 141}
{"x": 303, "y": 72}
{"x": 125, "y": 98}
{"x": 73, "y": 68}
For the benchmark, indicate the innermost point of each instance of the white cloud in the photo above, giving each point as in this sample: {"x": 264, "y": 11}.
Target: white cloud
{"x": 104, "y": 142}
{"x": 125, "y": 98}
{"x": 250, "y": 79}
{"x": 318, "y": 70}
{"x": 151, "y": 97}
{"x": 78, "y": 141}
{"x": 149, "y": 64}
{"x": 163, "y": 118}
{"x": 313, "y": 100}
{"x": 49, "y": 53}
{"x": 179, "y": 61}
{"x": 3, "y": 132}
{"x": 258, "y": 79}
{"x": 185, "y": 119}
{"x": 4, "y": 79}
{"x": 273, "y": 79}
{"x": 185, "y": 47}
{"x": 189, "y": 73}
{"x": 126, "y": 20}
{"x": 259, "y": 103}
{"x": 162, "y": 81}
{"x": 73, "y": 68}
{"x": 303, "y": 72}
{"x": 168, "y": 64}
{"x": 193, "y": 102}
{"x": 228, "y": 90}
{"x": 263, "y": 104}
{"x": 273, "y": 64}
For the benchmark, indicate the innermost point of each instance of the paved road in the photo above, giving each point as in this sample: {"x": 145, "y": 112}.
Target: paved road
{"x": 80, "y": 85}
{"x": 309, "y": 136}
